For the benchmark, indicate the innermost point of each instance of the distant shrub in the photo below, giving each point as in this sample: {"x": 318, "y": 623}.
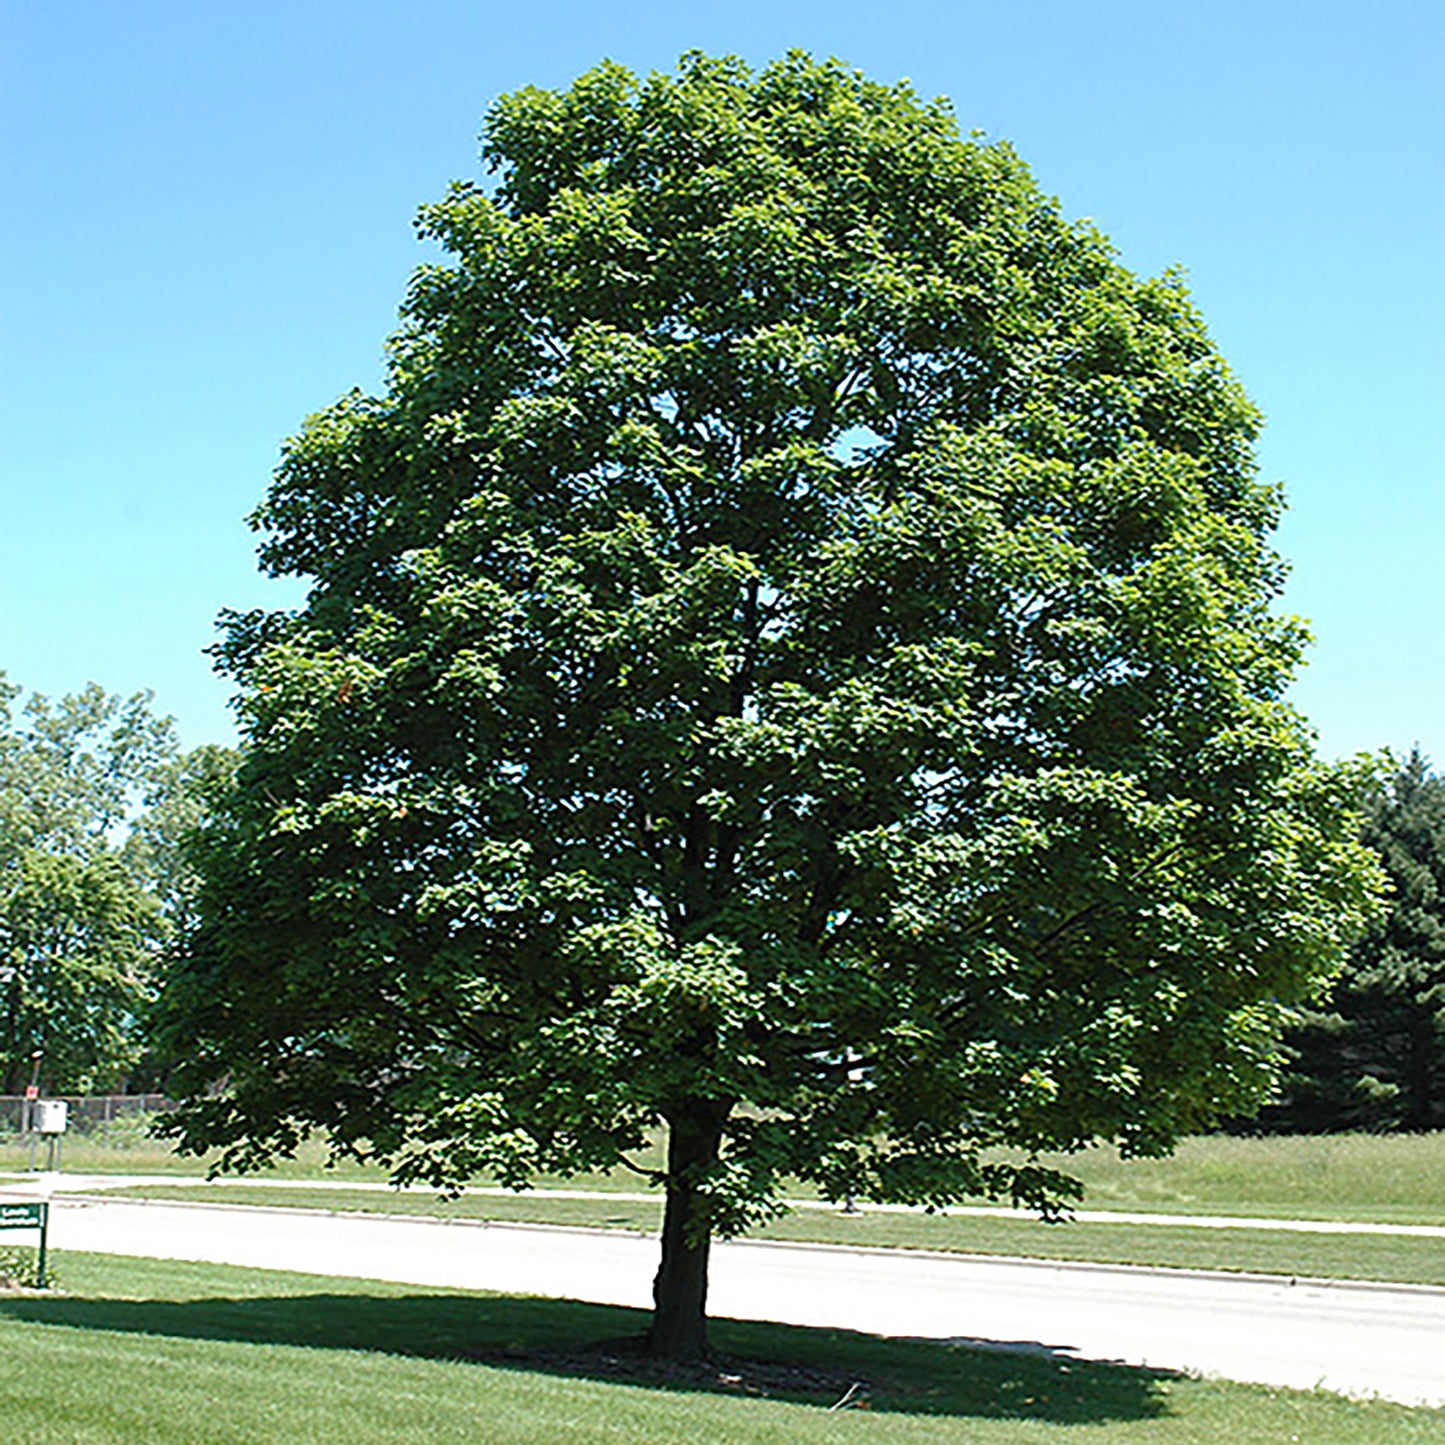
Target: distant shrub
{"x": 18, "y": 1267}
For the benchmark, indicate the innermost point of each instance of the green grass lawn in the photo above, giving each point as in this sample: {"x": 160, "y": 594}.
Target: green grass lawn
{"x": 1402, "y": 1259}
{"x": 161, "y": 1353}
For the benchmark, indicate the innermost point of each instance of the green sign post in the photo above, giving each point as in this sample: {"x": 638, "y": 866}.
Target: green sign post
{"x": 29, "y": 1216}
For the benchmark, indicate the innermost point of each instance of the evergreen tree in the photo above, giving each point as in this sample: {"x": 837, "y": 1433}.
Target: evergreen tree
{"x": 1372, "y": 1055}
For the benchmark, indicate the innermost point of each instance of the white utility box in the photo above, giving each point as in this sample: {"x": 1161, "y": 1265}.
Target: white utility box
{"x": 50, "y": 1116}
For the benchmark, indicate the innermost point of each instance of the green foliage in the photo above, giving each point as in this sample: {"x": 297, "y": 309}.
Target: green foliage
{"x": 1372, "y": 1055}
{"x": 93, "y": 802}
{"x": 790, "y": 656}
{"x": 78, "y": 931}
{"x": 19, "y": 1265}
{"x": 179, "y": 794}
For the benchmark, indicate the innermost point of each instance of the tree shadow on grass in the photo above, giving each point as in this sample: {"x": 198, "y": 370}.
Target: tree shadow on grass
{"x": 972, "y": 1378}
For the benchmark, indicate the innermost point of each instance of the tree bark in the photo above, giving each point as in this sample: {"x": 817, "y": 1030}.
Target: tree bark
{"x": 679, "y": 1290}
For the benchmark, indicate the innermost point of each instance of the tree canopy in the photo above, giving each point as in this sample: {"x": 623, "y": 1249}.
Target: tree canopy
{"x": 790, "y": 662}
{"x": 78, "y": 929}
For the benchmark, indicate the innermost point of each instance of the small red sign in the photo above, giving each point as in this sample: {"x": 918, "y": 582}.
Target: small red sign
{"x": 32, "y": 1091}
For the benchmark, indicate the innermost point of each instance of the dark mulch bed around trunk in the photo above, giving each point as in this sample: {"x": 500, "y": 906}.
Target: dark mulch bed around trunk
{"x": 628, "y": 1362}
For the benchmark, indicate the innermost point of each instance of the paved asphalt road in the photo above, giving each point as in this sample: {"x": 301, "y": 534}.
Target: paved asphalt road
{"x": 1361, "y": 1339}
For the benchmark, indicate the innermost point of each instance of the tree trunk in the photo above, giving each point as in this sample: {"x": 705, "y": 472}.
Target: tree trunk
{"x": 679, "y": 1290}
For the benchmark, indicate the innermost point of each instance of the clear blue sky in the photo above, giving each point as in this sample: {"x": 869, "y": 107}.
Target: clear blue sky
{"x": 207, "y": 231}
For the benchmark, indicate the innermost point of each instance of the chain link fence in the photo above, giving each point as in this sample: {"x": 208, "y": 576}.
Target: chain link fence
{"x": 100, "y": 1118}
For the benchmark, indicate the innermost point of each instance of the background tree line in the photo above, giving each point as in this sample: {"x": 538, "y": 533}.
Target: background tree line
{"x": 96, "y": 801}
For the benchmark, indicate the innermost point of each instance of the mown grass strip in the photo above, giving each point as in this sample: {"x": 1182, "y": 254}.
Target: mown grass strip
{"x": 164, "y": 1353}
{"x": 1402, "y": 1260}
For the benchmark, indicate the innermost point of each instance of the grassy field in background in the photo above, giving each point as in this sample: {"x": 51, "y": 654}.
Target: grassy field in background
{"x": 1379, "y": 1178}
{"x": 162, "y": 1353}
{"x": 1357, "y": 1177}
{"x": 132, "y": 1151}
{"x": 1400, "y": 1259}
